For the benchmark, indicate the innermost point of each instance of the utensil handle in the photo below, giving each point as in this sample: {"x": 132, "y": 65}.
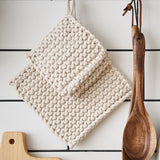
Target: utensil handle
{"x": 134, "y": 30}
{"x": 139, "y": 57}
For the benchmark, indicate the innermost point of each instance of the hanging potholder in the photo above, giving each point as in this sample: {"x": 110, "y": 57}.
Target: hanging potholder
{"x": 68, "y": 55}
{"x": 71, "y": 117}
{"x": 97, "y": 87}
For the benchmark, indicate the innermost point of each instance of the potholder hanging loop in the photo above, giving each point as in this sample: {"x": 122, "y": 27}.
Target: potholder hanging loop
{"x": 73, "y": 11}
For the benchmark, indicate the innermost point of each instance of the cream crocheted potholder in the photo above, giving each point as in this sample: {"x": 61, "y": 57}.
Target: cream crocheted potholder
{"x": 72, "y": 118}
{"x": 68, "y": 54}
{"x": 71, "y": 82}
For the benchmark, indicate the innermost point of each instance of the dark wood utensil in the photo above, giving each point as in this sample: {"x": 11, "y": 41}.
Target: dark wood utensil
{"x": 139, "y": 138}
{"x": 124, "y": 155}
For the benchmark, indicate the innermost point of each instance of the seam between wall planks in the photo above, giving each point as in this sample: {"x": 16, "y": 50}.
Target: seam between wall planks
{"x": 75, "y": 151}
{"x": 109, "y": 50}
{"x": 20, "y": 100}
{"x": 106, "y": 151}
{"x": 68, "y": 150}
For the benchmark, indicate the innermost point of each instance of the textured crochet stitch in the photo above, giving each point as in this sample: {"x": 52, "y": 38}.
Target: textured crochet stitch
{"x": 71, "y": 81}
{"x": 72, "y": 118}
{"x": 67, "y": 55}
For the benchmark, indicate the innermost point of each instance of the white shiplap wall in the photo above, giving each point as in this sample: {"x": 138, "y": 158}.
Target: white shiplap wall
{"x": 24, "y": 23}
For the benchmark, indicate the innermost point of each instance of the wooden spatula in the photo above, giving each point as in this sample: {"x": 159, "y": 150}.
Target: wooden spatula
{"x": 13, "y": 148}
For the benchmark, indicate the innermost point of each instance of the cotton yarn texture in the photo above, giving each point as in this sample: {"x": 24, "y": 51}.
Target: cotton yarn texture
{"x": 71, "y": 82}
{"x": 68, "y": 55}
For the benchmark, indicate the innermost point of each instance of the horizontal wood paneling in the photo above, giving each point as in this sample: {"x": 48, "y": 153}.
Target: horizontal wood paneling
{"x": 152, "y": 75}
{"x": 24, "y": 23}
{"x": 80, "y": 156}
{"x": 106, "y": 136}
{"x": 20, "y": 117}
{"x": 85, "y": 156}
{"x": 11, "y": 63}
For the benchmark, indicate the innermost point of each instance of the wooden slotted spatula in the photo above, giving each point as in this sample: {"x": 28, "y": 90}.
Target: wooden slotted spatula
{"x": 13, "y": 148}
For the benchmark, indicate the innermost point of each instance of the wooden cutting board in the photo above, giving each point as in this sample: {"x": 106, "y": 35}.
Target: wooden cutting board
{"x": 13, "y": 147}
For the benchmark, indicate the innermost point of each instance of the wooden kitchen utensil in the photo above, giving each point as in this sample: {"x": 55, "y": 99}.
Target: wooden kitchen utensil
{"x": 13, "y": 148}
{"x": 124, "y": 155}
{"x": 134, "y": 30}
{"x": 139, "y": 139}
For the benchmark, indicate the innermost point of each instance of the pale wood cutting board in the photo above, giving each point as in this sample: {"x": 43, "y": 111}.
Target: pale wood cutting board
{"x": 13, "y": 147}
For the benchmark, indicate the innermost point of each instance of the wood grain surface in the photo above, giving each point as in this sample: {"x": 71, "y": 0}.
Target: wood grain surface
{"x": 13, "y": 147}
{"x": 139, "y": 138}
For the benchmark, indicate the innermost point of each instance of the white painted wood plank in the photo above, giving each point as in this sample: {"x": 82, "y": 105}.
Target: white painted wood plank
{"x": 153, "y": 109}
{"x": 152, "y": 75}
{"x": 11, "y": 63}
{"x": 20, "y": 117}
{"x": 24, "y": 23}
{"x": 106, "y": 136}
{"x": 85, "y": 156}
{"x": 124, "y": 62}
{"x": 81, "y": 155}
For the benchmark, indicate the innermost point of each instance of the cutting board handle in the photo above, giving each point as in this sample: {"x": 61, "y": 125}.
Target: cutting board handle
{"x": 13, "y": 147}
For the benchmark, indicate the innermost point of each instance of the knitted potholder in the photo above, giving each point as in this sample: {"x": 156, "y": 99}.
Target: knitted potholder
{"x": 67, "y": 55}
{"x": 71, "y": 117}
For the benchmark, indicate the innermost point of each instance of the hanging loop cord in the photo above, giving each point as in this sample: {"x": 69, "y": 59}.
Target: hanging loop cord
{"x": 140, "y": 1}
{"x": 138, "y": 12}
{"x": 129, "y": 7}
{"x": 73, "y": 12}
{"x": 135, "y": 10}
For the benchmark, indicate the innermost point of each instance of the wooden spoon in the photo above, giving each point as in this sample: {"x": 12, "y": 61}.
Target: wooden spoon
{"x": 124, "y": 155}
{"x": 139, "y": 138}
